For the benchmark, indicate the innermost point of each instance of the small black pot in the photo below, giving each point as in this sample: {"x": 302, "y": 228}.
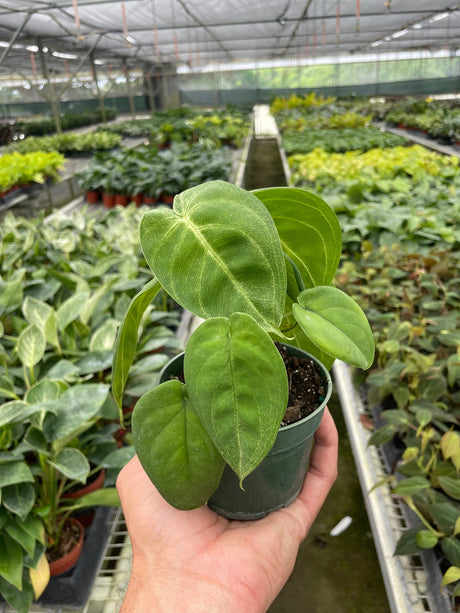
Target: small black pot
{"x": 277, "y": 481}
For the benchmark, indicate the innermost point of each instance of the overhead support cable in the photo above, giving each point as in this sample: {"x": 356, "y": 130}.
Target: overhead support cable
{"x": 15, "y": 37}
{"x": 205, "y": 28}
{"x": 297, "y": 26}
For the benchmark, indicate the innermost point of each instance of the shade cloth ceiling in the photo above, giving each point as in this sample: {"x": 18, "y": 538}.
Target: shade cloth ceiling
{"x": 195, "y": 34}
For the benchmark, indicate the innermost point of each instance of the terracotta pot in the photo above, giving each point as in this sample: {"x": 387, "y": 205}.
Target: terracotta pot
{"x": 66, "y": 562}
{"x": 149, "y": 200}
{"x": 167, "y": 198}
{"x": 92, "y": 197}
{"x": 138, "y": 199}
{"x": 94, "y": 485}
{"x": 108, "y": 200}
{"x": 121, "y": 200}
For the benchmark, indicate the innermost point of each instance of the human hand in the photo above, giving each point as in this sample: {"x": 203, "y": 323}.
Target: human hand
{"x": 196, "y": 561}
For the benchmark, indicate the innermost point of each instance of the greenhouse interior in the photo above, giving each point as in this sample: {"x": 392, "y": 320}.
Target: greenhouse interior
{"x": 296, "y": 164}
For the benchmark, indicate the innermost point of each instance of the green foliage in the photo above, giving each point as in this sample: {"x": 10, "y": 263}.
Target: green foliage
{"x": 18, "y": 169}
{"x": 226, "y": 255}
{"x": 339, "y": 140}
{"x": 69, "y": 142}
{"x": 64, "y": 286}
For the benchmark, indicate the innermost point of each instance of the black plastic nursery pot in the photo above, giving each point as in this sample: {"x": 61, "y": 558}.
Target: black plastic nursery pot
{"x": 277, "y": 481}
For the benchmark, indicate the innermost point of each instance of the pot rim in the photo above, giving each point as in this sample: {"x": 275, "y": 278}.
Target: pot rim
{"x": 324, "y": 372}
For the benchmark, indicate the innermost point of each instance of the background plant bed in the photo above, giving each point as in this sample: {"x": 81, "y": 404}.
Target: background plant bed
{"x": 74, "y": 586}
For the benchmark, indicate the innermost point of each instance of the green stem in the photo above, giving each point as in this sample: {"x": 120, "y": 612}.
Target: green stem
{"x": 410, "y": 503}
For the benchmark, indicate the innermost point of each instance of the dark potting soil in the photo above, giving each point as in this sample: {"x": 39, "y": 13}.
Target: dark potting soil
{"x": 69, "y": 539}
{"x": 306, "y": 387}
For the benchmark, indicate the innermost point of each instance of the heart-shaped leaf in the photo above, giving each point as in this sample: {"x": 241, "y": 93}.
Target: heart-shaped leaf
{"x": 217, "y": 252}
{"x": 31, "y": 345}
{"x": 237, "y": 381}
{"x": 309, "y": 231}
{"x": 336, "y": 324}
{"x": 174, "y": 448}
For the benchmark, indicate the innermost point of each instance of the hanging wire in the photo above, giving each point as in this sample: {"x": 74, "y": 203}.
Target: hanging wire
{"x": 358, "y": 12}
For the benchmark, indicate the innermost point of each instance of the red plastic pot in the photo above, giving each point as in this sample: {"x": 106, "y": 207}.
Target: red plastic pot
{"x": 66, "y": 562}
{"x": 121, "y": 200}
{"x": 92, "y": 197}
{"x": 138, "y": 199}
{"x": 108, "y": 200}
{"x": 149, "y": 200}
{"x": 94, "y": 485}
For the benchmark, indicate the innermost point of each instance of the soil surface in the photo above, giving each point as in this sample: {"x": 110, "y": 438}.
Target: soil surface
{"x": 306, "y": 387}
{"x": 69, "y": 539}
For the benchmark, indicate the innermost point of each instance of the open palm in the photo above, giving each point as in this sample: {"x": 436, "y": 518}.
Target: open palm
{"x": 196, "y": 561}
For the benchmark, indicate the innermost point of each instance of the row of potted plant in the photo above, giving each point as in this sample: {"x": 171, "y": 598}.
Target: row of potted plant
{"x": 65, "y": 284}
{"x": 17, "y": 169}
{"x": 147, "y": 175}
{"x": 39, "y": 126}
{"x": 339, "y": 140}
{"x": 69, "y": 142}
{"x": 227, "y": 126}
{"x": 399, "y": 208}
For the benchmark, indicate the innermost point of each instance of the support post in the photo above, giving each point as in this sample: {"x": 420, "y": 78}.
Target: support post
{"x": 52, "y": 97}
{"x": 130, "y": 91}
{"x": 98, "y": 91}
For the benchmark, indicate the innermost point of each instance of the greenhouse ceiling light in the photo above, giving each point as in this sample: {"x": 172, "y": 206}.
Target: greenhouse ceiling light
{"x": 400, "y": 33}
{"x": 439, "y": 17}
{"x": 64, "y": 56}
{"x": 376, "y": 43}
{"x": 32, "y": 48}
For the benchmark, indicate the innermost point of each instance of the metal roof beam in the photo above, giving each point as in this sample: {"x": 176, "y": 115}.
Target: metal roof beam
{"x": 15, "y": 37}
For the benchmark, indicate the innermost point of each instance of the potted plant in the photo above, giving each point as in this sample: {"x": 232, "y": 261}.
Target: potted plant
{"x": 257, "y": 267}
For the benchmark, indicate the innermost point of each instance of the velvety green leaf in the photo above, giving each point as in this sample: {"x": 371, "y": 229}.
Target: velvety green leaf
{"x": 72, "y": 463}
{"x": 237, "y": 382}
{"x": 407, "y": 544}
{"x": 409, "y": 487}
{"x": 451, "y": 549}
{"x": 396, "y": 417}
{"x": 126, "y": 342}
{"x": 15, "y": 472}
{"x": 336, "y": 324}
{"x": 11, "y": 560}
{"x": 451, "y": 486}
{"x": 75, "y": 407}
{"x": 444, "y": 515}
{"x": 309, "y": 231}
{"x": 432, "y": 385}
{"x": 426, "y": 539}
{"x": 216, "y": 252}
{"x": 19, "y": 498}
{"x": 174, "y": 448}
{"x": 31, "y": 346}
{"x": 382, "y": 435}
{"x": 71, "y": 309}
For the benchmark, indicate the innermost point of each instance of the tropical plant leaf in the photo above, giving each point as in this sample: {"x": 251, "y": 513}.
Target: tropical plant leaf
{"x": 216, "y": 252}
{"x": 336, "y": 324}
{"x": 72, "y": 463}
{"x": 174, "y": 448}
{"x": 126, "y": 341}
{"x": 31, "y": 345}
{"x": 306, "y": 225}
{"x": 237, "y": 382}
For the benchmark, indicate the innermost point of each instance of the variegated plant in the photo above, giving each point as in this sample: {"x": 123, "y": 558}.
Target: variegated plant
{"x": 258, "y": 267}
